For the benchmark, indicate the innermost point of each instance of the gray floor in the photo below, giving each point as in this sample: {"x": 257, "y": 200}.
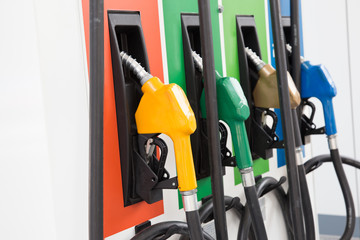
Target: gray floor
{"x": 328, "y": 237}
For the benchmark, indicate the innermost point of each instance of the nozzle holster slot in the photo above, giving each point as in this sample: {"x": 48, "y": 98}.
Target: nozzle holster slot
{"x": 194, "y": 87}
{"x": 261, "y": 138}
{"x": 286, "y": 23}
{"x": 138, "y": 177}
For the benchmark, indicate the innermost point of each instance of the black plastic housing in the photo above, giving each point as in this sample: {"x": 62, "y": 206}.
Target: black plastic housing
{"x": 194, "y": 87}
{"x": 286, "y": 21}
{"x": 259, "y": 138}
{"x": 287, "y": 33}
{"x": 138, "y": 180}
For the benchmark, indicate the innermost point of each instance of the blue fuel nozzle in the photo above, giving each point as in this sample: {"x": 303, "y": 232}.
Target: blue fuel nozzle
{"x": 317, "y": 82}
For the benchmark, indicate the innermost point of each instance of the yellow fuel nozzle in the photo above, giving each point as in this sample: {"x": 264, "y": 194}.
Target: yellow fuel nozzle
{"x": 165, "y": 109}
{"x": 265, "y": 92}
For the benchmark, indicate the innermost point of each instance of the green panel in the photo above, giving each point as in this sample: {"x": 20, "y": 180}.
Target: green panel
{"x": 173, "y": 37}
{"x": 242, "y": 7}
{"x": 260, "y": 166}
{"x": 204, "y": 189}
{"x": 175, "y": 56}
{"x": 231, "y": 9}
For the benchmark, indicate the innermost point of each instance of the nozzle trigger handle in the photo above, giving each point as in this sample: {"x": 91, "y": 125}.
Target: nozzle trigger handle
{"x": 275, "y": 121}
{"x": 312, "y": 113}
{"x": 223, "y": 140}
{"x": 163, "y": 155}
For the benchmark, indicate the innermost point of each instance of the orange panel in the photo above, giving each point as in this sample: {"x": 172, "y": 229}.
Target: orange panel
{"x": 117, "y": 217}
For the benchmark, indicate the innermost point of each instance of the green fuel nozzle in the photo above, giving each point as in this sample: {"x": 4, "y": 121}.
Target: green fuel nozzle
{"x": 233, "y": 109}
{"x": 265, "y": 92}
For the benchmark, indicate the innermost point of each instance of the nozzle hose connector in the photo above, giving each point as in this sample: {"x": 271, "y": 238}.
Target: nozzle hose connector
{"x": 255, "y": 58}
{"x": 288, "y": 48}
{"x": 298, "y": 156}
{"x": 332, "y": 142}
{"x": 248, "y": 178}
{"x": 198, "y": 61}
{"x": 189, "y": 199}
{"x": 134, "y": 66}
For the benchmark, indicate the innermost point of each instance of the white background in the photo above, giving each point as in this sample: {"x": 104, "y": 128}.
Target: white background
{"x": 43, "y": 121}
{"x": 331, "y": 37}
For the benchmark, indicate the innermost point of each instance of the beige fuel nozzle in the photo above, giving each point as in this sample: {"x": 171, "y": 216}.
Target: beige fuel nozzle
{"x": 266, "y": 90}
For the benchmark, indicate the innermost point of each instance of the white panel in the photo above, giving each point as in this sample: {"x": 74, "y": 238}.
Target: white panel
{"x": 64, "y": 79}
{"x": 26, "y": 202}
{"x": 325, "y": 42}
{"x": 353, "y": 8}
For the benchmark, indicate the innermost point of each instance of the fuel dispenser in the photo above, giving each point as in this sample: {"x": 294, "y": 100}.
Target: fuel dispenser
{"x": 233, "y": 110}
{"x": 262, "y": 137}
{"x": 308, "y": 76}
{"x": 126, "y": 34}
{"x": 262, "y": 84}
{"x": 229, "y": 94}
{"x": 134, "y": 172}
{"x": 165, "y": 109}
{"x": 207, "y": 38}
{"x": 325, "y": 91}
{"x": 142, "y": 107}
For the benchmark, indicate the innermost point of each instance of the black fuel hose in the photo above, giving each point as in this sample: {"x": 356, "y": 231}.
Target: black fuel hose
{"x": 307, "y": 206}
{"x": 296, "y": 76}
{"x": 305, "y": 194}
{"x": 246, "y": 230}
{"x": 217, "y": 186}
{"x": 96, "y": 119}
{"x": 262, "y": 187}
{"x": 345, "y": 188}
{"x": 295, "y": 42}
{"x": 316, "y": 162}
{"x": 206, "y": 210}
{"x": 193, "y": 220}
{"x": 287, "y": 124}
{"x": 252, "y": 203}
{"x": 164, "y": 230}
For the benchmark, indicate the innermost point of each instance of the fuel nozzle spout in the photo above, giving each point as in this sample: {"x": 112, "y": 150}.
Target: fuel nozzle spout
{"x": 289, "y": 49}
{"x": 255, "y": 59}
{"x": 164, "y": 108}
{"x": 265, "y": 92}
{"x": 197, "y": 60}
{"x": 136, "y": 67}
{"x": 199, "y": 63}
